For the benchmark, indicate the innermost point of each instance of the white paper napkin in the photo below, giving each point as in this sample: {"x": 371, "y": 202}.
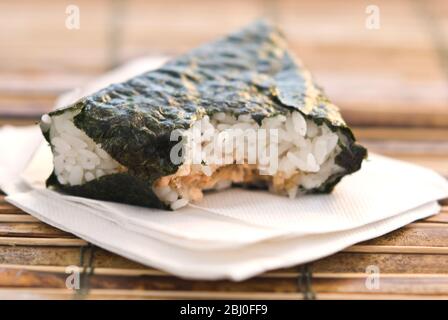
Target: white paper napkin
{"x": 17, "y": 147}
{"x": 197, "y": 264}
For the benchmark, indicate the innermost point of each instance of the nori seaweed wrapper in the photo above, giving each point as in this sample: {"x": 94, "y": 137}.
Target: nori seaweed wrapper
{"x": 250, "y": 71}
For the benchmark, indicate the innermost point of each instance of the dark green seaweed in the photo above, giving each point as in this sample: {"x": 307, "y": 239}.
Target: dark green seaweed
{"x": 248, "y": 72}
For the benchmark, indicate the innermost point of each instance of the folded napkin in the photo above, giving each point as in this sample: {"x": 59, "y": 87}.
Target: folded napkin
{"x": 235, "y": 264}
{"x": 232, "y": 234}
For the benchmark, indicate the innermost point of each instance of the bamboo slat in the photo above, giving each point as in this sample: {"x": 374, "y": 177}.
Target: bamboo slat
{"x": 14, "y": 229}
{"x": 18, "y": 241}
{"x": 16, "y": 218}
{"x": 378, "y": 296}
{"x": 7, "y": 209}
{"x": 441, "y": 217}
{"x": 404, "y": 263}
{"x": 397, "y": 249}
{"x": 142, "y": 294}
{"x": 401, "y": 134}
{"x": 60, "y": 256}
{"x": 392, "y": 285}
{"x": 133, "y": 294}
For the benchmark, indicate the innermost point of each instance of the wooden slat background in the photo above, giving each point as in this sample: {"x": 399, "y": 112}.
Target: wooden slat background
{"x": 391, "y": 84}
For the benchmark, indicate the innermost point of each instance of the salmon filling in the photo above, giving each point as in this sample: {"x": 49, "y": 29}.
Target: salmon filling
{"x": 191, "y": 186}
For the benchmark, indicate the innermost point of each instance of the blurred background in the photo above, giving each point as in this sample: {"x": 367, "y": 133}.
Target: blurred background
{"x": 385, "y": 63}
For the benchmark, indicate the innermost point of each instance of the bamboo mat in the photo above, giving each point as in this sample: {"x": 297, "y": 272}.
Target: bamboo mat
{"x": 391, "y": 85}
{"x": 34, "y": 256}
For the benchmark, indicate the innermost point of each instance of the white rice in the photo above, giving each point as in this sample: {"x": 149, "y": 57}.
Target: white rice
{"x": 306, "y": 154}
{"x": 77, "y": 158}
